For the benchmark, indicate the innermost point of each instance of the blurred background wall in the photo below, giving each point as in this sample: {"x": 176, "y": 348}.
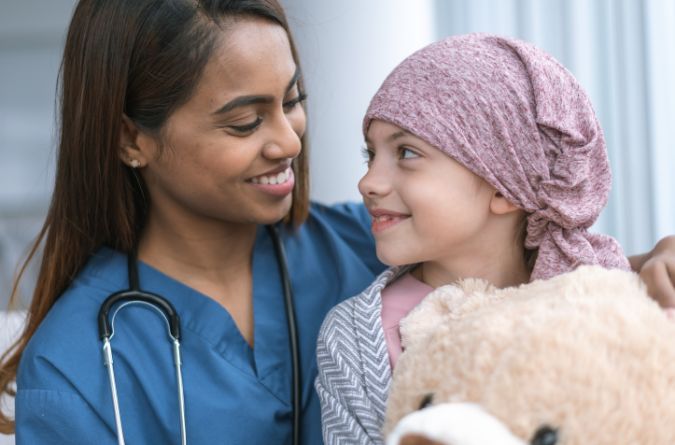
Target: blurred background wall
{"x": 31, "y": 40}
{"x": 622, "y": 51}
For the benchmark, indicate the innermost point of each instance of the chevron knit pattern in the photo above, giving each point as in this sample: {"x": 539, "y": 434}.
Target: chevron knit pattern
{"x": 353, "y": 366}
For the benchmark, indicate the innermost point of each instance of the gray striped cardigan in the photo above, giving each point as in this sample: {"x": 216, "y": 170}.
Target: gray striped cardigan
{"x": 354, "y": 373}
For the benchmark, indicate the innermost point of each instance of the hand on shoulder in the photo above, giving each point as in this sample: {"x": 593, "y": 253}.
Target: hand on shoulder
{"x": 657, "y": 270}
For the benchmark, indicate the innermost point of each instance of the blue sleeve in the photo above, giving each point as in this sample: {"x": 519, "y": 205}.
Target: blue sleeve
{"x": 351, "y": 222}
{"x": 54, "y": 417}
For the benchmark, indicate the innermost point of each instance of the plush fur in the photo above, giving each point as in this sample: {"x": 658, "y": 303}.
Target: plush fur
{"x": 587, "y": 354}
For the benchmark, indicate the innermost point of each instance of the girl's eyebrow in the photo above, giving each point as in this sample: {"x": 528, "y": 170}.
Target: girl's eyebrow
{"x": 392, "y": 137}
{"x": 252, "y": 100}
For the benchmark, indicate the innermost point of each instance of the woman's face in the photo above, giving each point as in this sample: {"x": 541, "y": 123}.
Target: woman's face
{"x": 226, "y": 153}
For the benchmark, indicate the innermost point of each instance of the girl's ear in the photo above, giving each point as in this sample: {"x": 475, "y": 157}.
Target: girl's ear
{"x": 499, "y": 205}
{"x": 135, "y": 147}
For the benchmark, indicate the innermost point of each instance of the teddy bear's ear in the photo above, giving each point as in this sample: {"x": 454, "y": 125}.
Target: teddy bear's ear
{"x": 452, "y": 301}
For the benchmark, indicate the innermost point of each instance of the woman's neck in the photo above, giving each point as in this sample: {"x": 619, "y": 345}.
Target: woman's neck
{"x": 210, "y": 252}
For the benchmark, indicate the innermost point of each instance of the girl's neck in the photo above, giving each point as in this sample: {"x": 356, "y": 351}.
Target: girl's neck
{"x": 500, "y": 268}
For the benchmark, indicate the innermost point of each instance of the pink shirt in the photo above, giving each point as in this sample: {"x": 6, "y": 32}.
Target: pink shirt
{"x": 399, "y": 298}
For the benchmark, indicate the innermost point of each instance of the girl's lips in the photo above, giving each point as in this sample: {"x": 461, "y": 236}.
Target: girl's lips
{"x": 277, "y": 185}
{"x": 384, "y": 219}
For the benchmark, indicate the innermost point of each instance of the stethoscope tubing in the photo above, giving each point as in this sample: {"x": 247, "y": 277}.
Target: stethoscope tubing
{"x": 106, "y": 325}
{"x": 108, "y": 360}
{"x": 292, "y": 331}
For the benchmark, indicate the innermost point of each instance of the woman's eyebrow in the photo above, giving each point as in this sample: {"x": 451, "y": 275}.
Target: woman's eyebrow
{"x": 294, "y": 80}
{"x": 252, "y": 100}
{"x": 243, "y": 101}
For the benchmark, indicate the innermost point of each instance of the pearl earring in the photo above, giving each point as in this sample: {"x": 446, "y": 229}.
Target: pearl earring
{"x": 135, "y": 163}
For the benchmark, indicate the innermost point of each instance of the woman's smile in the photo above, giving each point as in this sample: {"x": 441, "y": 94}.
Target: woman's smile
{"x": 277, "y": 183}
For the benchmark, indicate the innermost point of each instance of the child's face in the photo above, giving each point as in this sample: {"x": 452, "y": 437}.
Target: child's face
{"x": 425, "y": 205}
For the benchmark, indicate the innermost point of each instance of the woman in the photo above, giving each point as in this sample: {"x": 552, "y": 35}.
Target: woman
{"x": 182, "y": 138}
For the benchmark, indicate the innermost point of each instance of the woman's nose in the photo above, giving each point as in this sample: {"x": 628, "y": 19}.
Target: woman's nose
{"x": 286, "y": 136}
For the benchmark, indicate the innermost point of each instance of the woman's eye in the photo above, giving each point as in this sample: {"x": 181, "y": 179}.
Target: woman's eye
{"x": 290, "y": 104}
{"x": 248, "y": 127}
{"x": 406, "y": 153}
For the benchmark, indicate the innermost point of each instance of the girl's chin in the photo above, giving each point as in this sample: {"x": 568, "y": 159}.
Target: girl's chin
{"x": 391, "y": 259}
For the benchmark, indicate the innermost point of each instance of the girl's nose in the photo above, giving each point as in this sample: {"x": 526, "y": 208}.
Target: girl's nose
{"x": 376, "y": 182}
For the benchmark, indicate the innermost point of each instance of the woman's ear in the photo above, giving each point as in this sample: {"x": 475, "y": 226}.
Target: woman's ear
{"x": 499, "y": 205}
{"x": 134, "y": 149}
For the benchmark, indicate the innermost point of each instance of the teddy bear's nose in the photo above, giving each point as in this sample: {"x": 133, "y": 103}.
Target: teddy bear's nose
{"x": 416, "y": 439}
{"x": 545, "y": 435}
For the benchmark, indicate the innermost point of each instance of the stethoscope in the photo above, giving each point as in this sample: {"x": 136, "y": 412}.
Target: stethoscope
{"x": 122, "y": 299}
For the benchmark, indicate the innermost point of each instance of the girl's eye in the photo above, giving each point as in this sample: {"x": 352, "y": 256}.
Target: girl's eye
{"x": 406, "y": 153}
{"x": 248, "y": 128}
{"x": 291, "y": 104}
{"x": 367, "y": 154}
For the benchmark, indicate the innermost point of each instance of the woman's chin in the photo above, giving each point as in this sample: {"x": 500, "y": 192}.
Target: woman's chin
{"x": 274, "y": 216}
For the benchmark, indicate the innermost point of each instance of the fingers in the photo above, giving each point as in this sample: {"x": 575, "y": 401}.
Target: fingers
{"x": 660, "y": 282}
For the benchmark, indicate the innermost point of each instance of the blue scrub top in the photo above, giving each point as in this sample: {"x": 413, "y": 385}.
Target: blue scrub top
{"x": 234, "y": 394}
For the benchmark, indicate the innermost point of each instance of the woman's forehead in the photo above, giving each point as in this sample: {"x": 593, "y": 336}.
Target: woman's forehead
{"x": 251, "y": 57}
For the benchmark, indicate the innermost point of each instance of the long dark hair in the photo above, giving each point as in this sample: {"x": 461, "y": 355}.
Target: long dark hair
{"x": 141, "y": 58}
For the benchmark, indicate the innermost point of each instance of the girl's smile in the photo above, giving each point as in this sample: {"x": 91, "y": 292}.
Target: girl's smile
{"x": 384, "y": 219}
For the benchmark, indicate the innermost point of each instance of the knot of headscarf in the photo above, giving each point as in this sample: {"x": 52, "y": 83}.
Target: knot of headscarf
{"x": 561, "y": 250}
{"x": 514, "y": 116}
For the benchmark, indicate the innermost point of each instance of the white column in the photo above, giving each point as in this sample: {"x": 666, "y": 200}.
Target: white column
{"x": 347, "y": 48}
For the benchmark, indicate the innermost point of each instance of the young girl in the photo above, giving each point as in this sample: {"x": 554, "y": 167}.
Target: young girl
{"x": 486, "y": 160}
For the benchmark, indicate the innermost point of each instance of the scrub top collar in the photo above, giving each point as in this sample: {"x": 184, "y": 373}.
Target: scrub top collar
{"x": 200, "y": 315}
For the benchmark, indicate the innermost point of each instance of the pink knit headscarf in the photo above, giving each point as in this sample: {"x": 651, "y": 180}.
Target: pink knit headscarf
{"x": 514, "y": 116}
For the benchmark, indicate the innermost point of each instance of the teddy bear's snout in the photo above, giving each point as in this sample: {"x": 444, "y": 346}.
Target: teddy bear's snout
{"x": 452, "y": 424}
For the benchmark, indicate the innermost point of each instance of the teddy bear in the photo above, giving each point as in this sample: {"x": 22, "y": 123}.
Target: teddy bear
{"x": 584, "y": 358}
